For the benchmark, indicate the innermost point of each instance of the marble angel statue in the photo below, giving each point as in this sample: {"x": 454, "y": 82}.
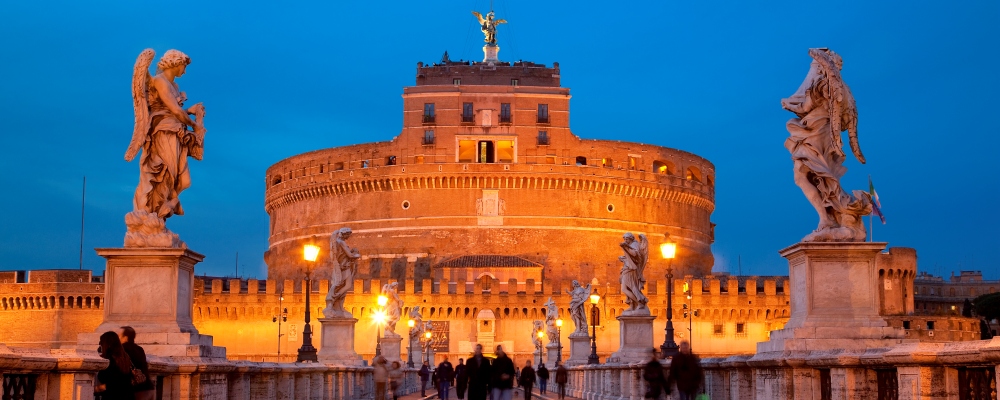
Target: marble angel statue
{"x": 824, "y": 107}
{"x": 163, "y": 137}
{"x": 551, "y": 315}
{"x": 344, "y": 269}
{"x": 535, "y": 340}
{"x": 631, "y": 278}
{"x": 393, "y": 309}
{"x": 577, "y": 306}
{"x": 489, "y": 26}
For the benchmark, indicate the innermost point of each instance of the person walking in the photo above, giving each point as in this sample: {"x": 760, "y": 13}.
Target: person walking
{"x": 502, "y": 376}
{"x": 517, "y": 375}
{"x": 543, "y": 378}
{"x": 446, "y": 374}
{"x": 425, "y": 375}
{"x": 381, "y": 377}
{"x": 115, "y": 381}
{"x": 527, "y": 379}
{"x": 686, "y": 372}
{"x": 652, "y": 373}
{"x": 396, "y": 379}
{"x": 144, "y": 390}
{"x": 461, "y": 379}
{"x": 562, "y": 376}
{"x": 479, "y": 370}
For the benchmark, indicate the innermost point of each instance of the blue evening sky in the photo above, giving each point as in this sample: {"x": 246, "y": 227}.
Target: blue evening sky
{"x": 282, "y": 78}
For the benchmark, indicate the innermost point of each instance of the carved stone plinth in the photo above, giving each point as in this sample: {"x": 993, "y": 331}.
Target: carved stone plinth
{"x": 579, "y": 349}
{"x": 337, "y": 342}
{"x": 490, "y": 53}
{"x": 552, "y": 350}
{"x": 636, "y": 339}
{"x": 416, "y": 352}
{"x": 391, "y": 348}
{"x": 834, "y": 299}
{"x": 151, "y": 290}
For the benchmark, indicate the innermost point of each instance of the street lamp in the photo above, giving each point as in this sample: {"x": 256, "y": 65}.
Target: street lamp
{"x": 559, "y": 340}
{"x": 379, "y": 317}
{"x": 279, "y": 320}
{"x": 541, "y": 334}
{"x": 409, "y": 352}
{"x": 427, "y": 346}
{"x": 594, "y": 321}
{"x": 691, "y": 313}
{"x": 307, "y": 353}
{"x": 669, "y": 348}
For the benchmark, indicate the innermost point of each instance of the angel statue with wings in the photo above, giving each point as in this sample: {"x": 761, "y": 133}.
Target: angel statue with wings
{"x": 824, "y": 108}
{"x": 345, "y": 267}
{"x": 631, "y": 278}
{"x": 580, "y": 295}
{"x": 489, "y": 26}
{"x": 162, "y": 134}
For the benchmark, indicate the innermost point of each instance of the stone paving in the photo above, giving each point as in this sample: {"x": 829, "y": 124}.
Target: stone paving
{"x": 519, "y": 394}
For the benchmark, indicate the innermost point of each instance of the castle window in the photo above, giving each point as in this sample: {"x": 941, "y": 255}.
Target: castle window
{"x": 467, "y": 114}
{"x": 321, "y": 168}
{"x": 428, "y": 137}
{"x": 338, "y": 166}
{"x": 607, "y": 163}
{"x": 466, "y": 151}
{"x": 741, "y": 328}
{"x": 930, "y": 325}
{"x": 543, "y": 138}
{"x": 717, "y": 329}
{"x": 581, "y": 160}
{"x": 391, "y": 160}
{"x": 504, "y": 113}
{"x": 418, "y": 159}
{"x": 906, "y": 324}
{"x": 514, "y": 82}
{"x": 631, "y": 163}
{"x": 543, "y": 113}
{"x": 276, "y": 180}
{"x": 364, "y": 163}
{"x": 663, "y": 167}
{"x": 428, "y": 113}
{"x": 456, "y": 81}
{"x": 505, "y": 151}
{"x": 693, "y": 174}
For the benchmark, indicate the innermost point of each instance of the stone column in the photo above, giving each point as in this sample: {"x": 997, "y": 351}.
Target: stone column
{"x": 391, "y": 348}
{"x": 635, "y": 340}
{"x": 552, "y": 354}
{"x": 151, "y": 290}
{"x": 336, "y": 344}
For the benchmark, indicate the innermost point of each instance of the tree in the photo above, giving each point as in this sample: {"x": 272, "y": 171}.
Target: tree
{"x": 987, "y": 306}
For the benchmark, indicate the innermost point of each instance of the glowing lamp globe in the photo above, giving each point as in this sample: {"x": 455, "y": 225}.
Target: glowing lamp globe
{"x": 427, "y": 334}
{"x": 410, "y": 323}
{"x": 594, "y": 298}
{"x": 559, "y": 322}
{"x": 541, "y": 334}
{"x": 668, "y": 250}
{"x": 310, "y": 252}
{"x": 382, "y": 300}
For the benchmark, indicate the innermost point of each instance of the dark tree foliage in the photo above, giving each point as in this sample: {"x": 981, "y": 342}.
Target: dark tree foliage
{"x": 987, "y": 306}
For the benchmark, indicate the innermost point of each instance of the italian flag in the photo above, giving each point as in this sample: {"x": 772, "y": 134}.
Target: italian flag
{"x": 876, "y": 205}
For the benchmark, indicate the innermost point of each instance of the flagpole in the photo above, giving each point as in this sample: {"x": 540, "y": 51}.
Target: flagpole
{"x": 83, "y": 210}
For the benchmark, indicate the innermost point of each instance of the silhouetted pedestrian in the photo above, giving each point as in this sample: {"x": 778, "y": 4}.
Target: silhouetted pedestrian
{"x": 479, "y": 369}
{"x": 446, "y": 374}
{"x": 145, "y": 390}
{"x": 115, "y": 381}
{"x": 425, "y": 375}
{"x": 527, "y": 379}
{"x": 652, "y": 373}
{"x": 562, "y": 376}
{"x": 543, "y": 378}
{"x": 685, "y": 370}
{"x": 461, "y": 379}
{"x": 502, "y": 376}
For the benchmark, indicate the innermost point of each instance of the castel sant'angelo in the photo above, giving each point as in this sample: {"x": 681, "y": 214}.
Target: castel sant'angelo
{"x": 482, "y": 208}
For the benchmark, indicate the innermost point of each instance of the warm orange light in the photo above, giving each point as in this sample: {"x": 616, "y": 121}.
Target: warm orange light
{"x": 411, "y": 323}
{"x": 310, "y": 252}
{"x": 668, "y": 250}
{"x": 427, "y": 334}
{"x": 686, "y": 287}
{"x": 594, "y": 298}
{"x": 541, "y": 334}
{"x": 379, "y": 317}
{"x": 559, "y": 322}
{"x": 382, "y": 300}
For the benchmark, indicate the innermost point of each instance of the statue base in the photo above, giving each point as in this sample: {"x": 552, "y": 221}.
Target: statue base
{"x": 145, "y": 230}
{"x": 636, "y": 339}
{"x": 391, "y": 348}
{"x": 415, "y": 353}
{"x": 553, "y": 354}
{"x": 150, "y": 289}
{"x": 834, "y": 299}
{"x": 336, "y": 343}
{"x": 490, "y": 52}
{"x": 579, "y": 349}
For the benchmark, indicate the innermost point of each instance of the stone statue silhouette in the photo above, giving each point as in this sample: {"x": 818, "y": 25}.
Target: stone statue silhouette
{"x": 489, "y": 26}
{"x": 631, "y": 277}
{"x": 345, "y": 267}
{"x": 580, "y": 295}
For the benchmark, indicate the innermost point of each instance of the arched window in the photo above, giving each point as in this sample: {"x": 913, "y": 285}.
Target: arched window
{"x": 581, "y": 160}
{"x": 693, "y": 174}
{"x": 663, "y": 167}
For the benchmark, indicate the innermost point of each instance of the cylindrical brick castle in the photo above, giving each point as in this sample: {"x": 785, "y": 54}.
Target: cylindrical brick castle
{"x": 486, "y": 165}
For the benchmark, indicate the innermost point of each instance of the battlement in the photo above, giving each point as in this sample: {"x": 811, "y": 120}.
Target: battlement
{"x": 520, "y": 73}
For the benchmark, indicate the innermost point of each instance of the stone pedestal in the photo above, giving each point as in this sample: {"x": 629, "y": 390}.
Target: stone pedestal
{"x": 579, "y": 349}
{"x": 415, "y": 353}
{"x": 490, "y": 53}
{"x": 391, "y": 348}
{"x": 552, "y": 350}
{"x": 337, "y": 342}
{"x": 834, "y": 299}
{"x": 636, "y": 339}
{"x": 151, "y": 290}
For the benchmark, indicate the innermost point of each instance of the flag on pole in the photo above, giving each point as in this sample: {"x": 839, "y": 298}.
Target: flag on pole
{"x": 876, "y": 205}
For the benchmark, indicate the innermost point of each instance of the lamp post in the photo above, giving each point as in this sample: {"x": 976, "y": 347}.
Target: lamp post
{"x": 594, "y": 321}
{"x": 669, "y": 348}
{"x": 279, "y": 319}
{"x": 379, "y": 317}
{"x": 559, "y": 340}
{"x": 409, "y": 352}
{"x": 427, "y": 346}
{"x": 691, "y": 315}
{"x": 541, "y": 334}
{"x": 307, "y": 353}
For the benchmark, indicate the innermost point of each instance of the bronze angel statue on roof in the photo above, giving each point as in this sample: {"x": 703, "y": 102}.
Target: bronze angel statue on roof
{"x": 166, "y": 134}
{"x": 824, "y": 107}
{"x": 489, "y": 26}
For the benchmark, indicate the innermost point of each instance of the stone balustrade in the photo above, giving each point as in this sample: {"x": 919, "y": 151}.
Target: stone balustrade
{"x": 70, "y": 374}
{"x": 956, "y": 370}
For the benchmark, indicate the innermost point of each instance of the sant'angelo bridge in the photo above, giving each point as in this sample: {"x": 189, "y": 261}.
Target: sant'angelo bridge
{"x": 426, "y": 245}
